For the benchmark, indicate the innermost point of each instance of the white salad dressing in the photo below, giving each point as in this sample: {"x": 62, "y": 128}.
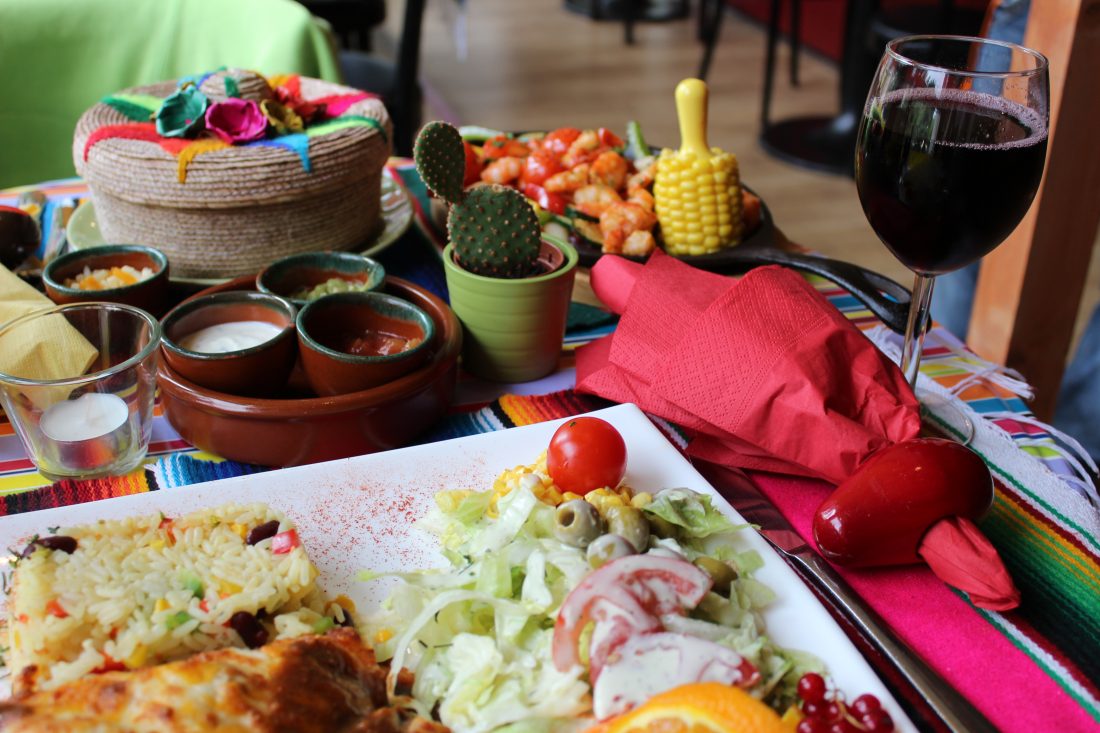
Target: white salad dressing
{"x": 233, "y": 336}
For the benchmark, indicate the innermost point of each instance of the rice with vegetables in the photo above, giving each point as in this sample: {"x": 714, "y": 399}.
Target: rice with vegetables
{"x": 136, "y": 592}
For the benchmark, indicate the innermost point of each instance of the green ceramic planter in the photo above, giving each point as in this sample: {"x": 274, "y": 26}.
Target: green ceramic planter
{"x": 513, "y": 328}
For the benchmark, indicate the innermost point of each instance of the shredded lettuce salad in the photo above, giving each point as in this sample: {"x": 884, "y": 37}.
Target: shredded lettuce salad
{"x": 478, "y": 635}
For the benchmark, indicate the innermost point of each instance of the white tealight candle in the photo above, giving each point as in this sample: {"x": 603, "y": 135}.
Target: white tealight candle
{"x": 89, "y": 416}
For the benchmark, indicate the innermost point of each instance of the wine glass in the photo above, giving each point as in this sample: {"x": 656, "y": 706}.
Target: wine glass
{"x": 950, "y": 151}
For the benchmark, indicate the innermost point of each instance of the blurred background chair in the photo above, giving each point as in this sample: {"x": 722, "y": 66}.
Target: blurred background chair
{"x": 396, "y": 81}
{"x": 60, "y": 57}
{"x": 353, "y": 21}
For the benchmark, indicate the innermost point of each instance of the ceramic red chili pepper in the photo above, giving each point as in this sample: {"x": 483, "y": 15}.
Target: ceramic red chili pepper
{"x": 879, "y": 514}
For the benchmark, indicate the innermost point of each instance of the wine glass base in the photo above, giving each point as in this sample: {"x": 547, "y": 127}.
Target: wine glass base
{"x": 944, "y": 415}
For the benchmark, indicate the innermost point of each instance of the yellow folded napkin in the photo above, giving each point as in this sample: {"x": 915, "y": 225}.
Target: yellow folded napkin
{"x": 52, "y": 349}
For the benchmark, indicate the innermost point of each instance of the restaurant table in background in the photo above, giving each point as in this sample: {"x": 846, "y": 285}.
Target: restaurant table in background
{"x": 1045, "y": 655}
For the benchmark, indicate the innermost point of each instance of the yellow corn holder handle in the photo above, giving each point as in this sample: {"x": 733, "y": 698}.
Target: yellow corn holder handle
{"x": 697, "y": 189}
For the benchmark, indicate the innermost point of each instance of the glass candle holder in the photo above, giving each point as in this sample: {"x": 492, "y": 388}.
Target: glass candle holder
{"x": 81, "y": 387}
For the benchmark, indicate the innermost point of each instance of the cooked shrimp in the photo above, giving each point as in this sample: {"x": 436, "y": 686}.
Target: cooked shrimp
{"x": 610, "y": 169}
{"x": 567, "y": 181}
{"x": 639, "y": 243}
{"x": 642, "y": 197}
{"x": 580, "y": 151}
{"x": 504, "y": 170}
{"x": 594, "y": 198}
{"x": 642, "y": 179}
{"x": 619, "y": 221}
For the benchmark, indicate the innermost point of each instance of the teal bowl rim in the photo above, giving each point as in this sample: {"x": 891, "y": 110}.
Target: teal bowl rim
{"x": 422, "y": 318}
{"x": 105, "y": 250}
{"x": 373, "y": 267}
{"x": 213, "y": 299}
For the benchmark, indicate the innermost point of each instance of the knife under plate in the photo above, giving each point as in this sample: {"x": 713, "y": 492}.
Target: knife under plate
{"x": 954, "y": 710}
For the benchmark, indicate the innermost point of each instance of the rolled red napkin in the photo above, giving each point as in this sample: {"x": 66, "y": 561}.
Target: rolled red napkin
{"x": 763, "y": 371}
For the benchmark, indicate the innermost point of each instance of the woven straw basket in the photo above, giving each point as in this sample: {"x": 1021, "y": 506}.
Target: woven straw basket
{"x": 241, "y": 207}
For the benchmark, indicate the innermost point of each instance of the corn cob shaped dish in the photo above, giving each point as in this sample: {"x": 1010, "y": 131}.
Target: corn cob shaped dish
{"x": 697, "y": 189}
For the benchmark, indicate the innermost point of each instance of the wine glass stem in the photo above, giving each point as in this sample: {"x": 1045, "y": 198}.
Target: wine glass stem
{"x": 915, "y": 328}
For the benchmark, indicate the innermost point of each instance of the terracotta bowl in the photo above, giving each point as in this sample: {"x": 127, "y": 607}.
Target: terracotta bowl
{"x": 288, "y": 275}
{"x": 354, "y": 341}
{"x": 298, "y": 427}
{"x": 260, "y": 369}
{"x": 150, "y": 294}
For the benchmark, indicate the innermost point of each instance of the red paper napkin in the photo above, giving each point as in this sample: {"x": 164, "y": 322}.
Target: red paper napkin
{"x": 763, "y": 371}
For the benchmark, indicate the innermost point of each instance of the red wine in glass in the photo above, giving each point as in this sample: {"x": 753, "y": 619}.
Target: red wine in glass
{"x": 945, "y": 176}
{"x": 949, "y": 155}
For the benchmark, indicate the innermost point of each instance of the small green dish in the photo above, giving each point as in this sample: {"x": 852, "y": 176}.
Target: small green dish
{"x": 150, "y": 294}
{"x": 324, "y": 272}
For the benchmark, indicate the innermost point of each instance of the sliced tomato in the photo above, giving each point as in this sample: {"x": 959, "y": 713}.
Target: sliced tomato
{"x": 670, "y": 660}
{"x": 473, "y": 165}
{"x": 53, "y": 607}
{"x": 538, "y": 166}
{"x": 624, "y": 598}
{"x": 609, "y": 138}
{"x": 503, "y": 146}
{"x": 552, "y": 202}
{"x": 559, "y": 140}
{"x": 284, "y": 542}
{"x": 750, "y": 210}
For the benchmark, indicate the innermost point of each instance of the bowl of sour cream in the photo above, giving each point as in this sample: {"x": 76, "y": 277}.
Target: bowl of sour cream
{"x": 240, "y": 343}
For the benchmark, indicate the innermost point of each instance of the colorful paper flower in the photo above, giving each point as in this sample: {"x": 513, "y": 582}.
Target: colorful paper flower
{"x": 282, "y": 119}
{"x": 236, "y": 120}
{"x": 291, "y": 98}
{"x": 181, "y": 113}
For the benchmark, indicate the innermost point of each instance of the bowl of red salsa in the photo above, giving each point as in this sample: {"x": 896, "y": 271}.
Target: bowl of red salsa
{"x": 354, "y": 341}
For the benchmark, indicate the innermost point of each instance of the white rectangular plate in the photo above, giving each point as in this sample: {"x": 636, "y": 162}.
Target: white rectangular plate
{"x": 357, "y": 513}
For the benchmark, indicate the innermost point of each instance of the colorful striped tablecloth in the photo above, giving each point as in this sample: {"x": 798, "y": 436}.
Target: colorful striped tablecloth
{"x": 1042, "y": 523}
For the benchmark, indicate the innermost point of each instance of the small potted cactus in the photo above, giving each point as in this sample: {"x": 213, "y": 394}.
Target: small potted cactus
{"x": 510, "y": 289}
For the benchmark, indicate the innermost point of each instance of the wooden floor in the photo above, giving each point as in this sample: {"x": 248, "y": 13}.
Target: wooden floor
{"x": 531, "y": 64}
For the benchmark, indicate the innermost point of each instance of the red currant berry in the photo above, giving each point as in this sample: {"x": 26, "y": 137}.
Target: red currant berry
{"x": 811, "y": 687}
{"x": 811, "y": 725}
{"x": 833, "y": 710}
{"x": 812, "y": 709}
{"x": 866, "y": 703}
{"x": 843, "y": 726}
{"x": 877, "y": 721}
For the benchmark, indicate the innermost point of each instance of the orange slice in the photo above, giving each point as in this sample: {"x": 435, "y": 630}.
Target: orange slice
{"x": 703, "y": 707}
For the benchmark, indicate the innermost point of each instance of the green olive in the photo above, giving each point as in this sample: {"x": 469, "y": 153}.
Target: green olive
{"x": 662, "y": 527}
{"x": 721, "y": 573}
{"x": 577, "y": 523}
{"x": 629, "y": 523}
{"x": 608, "y": 547}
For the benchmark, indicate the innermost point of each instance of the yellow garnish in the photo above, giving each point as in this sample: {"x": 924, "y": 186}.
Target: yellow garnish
{"x": 157, "y": 544}
{"x": 125, "y": 277}
{"x": 239, "y": 528}
{"x": 345, "y": 603}
{"x": 225, "y": 588}
{"x": 161, "y": 605}
{"x": 383, "y": 636}
{"x": 138, "y": 657}
{"x": 641, "y": 500}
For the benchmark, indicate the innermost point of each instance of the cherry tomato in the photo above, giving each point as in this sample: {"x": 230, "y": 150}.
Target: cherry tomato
{"x": 473, "y": 165}
{"x": 586, "y": 453}
{"x": 609, "y": 138}
{"x": 538, "y": 166}
{"x": 503, "y": 146}
{"x": 559, "y": 140}
{"x": 552, "y": 202}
